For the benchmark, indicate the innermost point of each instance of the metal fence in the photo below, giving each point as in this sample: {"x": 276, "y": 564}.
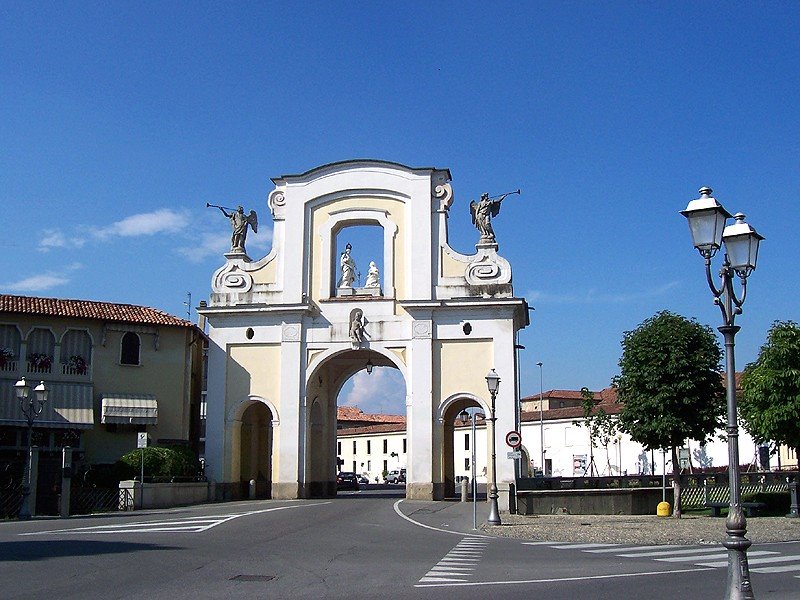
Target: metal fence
{"x": 10, "y": 501}
{"x": 696, "y": 489}
{"x": 88, "y": 500}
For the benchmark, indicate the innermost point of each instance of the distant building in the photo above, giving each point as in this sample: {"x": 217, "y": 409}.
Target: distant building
{"x": 566, "y": 451}
{"x": 113, "y": 370}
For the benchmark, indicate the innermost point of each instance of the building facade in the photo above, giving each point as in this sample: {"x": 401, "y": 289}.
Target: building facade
{"x": 112, "y": 371}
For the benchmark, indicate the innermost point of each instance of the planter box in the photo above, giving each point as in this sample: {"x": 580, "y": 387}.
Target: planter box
{"x": 621, "y": 501}
{"x": 134, "y": 496}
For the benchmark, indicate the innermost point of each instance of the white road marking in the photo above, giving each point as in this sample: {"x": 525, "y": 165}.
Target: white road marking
{"x": 190, "y": 524}
{"x": 756, "y": 561}
{"x": 456, "y": 564}
{"x": 710, "y": 556}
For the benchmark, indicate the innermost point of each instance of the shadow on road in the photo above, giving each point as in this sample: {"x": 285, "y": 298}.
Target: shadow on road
{"x": 31, "y": 550}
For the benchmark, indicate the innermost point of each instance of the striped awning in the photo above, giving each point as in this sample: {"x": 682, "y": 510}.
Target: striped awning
{"x": 130, "y": 409}
{"x": 68, "y": 406}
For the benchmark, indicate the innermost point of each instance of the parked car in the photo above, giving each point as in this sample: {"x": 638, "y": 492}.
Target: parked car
{"x": 347, "y": 480}
{"x": 396, "y": 476}
{"x": 363, "y": 478}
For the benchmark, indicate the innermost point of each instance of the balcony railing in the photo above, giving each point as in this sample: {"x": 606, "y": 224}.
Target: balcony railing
{"x": 34, "y": 368}
{"x": 10, "y": 366}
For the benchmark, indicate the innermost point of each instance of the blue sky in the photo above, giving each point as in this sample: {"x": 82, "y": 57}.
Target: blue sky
{"x": 119, "y": 121}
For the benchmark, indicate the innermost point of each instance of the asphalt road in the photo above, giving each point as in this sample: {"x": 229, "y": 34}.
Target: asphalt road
{"x": 360, "y": 545}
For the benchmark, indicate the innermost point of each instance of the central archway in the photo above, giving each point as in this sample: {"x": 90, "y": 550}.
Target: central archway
{"x": 326, "y": 379}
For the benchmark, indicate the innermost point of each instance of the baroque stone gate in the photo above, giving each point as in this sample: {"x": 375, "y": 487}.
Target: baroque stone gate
{"x": 287, "y": 330}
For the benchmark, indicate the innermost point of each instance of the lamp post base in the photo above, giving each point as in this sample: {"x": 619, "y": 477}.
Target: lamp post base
{"x": 738, "y": 583}
{"x": 494, "y": 511}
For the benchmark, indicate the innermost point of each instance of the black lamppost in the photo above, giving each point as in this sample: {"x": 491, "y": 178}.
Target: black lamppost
{"x": 707, "y": 222}
{"x": 493, "y": 383}
{"x": 31, "y": 407}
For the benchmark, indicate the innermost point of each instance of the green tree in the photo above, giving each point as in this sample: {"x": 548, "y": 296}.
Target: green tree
{"x": 670, "y": 385}
{"x": 770, "y": 406}
{"x": 601, "y": 425}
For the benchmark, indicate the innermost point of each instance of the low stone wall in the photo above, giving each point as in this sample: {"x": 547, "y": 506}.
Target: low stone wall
{"x": 622, "y": 501}
{"x": 134, "y": 496}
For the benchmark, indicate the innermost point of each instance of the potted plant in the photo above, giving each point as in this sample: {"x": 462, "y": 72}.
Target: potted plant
{"x": 40, "y": 361}
{"x": 77, "y": 364}
{"x": 6, "y": 356}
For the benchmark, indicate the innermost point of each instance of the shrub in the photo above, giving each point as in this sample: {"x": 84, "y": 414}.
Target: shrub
{"x": 175, "y": 461}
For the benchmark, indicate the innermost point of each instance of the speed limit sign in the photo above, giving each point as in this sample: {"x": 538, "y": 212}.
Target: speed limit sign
{"x": 513, "y": 439}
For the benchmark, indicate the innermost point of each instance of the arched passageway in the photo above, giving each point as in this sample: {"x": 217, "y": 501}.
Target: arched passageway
{"x": 255, "y": 448}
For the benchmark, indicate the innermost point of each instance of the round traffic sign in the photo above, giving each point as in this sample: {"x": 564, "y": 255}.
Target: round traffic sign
{"x": 513, "y": 439}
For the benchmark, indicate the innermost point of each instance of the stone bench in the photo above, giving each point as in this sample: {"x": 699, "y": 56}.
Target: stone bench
{"x": 750, "y": 509}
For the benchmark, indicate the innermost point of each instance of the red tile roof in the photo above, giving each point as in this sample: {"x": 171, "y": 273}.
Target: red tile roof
{"x": 353, "y": 413}
{"x": 89, "y": 309}
{"x": 372, "y": 429}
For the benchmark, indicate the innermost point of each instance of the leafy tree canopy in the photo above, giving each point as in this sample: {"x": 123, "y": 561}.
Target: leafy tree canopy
{"x": 770, "y": 405}
{"x": 669, "y": 382}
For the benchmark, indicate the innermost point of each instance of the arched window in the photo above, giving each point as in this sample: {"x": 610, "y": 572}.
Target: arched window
{"x": 130, "y": 349}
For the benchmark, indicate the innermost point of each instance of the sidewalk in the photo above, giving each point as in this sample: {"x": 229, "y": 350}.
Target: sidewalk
{"x": 621, "y": 529}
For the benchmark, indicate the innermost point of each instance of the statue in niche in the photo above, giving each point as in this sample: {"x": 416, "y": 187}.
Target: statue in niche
{"x": 239, "y": 224}
{"x": 373, "y": 276}
{"x": 348, "y": 268}
{"x": 482, "y": 213}
{"x": 357, "y": 326}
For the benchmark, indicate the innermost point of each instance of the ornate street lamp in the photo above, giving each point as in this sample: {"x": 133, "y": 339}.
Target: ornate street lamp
{"x": 493, "y": 383}
{"x": 707, "y": 219}
{"x": 31, "y": 407}
{"x": 369, "y": 366}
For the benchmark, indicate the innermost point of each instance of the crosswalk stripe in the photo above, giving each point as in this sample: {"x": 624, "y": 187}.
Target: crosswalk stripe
{"x": 710, "y": 556}
{"x": 777, "y": 568}
{"x": 581, "y": 546}
{"x": 654, "y": 553}
{"x": 619, "y": 548}
{"x": 755, "y": 561}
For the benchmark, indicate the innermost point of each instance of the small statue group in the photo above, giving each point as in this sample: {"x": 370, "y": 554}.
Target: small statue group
{"x": 347, "y": 264}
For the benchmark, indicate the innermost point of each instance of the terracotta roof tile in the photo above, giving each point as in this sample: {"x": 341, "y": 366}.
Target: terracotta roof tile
{"x": 353, "y": 413}
{"x": 89, "y": 309}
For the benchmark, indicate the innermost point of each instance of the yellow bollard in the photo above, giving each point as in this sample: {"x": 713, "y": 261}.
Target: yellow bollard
{"x": 663, "y": 509}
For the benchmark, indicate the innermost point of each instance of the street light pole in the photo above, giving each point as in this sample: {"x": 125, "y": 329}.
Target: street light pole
{"x": 707, "y": 218}
{"x": 541, "y": 418}
{"x": 31, "y": 406}
{"x": 493, "y": 383}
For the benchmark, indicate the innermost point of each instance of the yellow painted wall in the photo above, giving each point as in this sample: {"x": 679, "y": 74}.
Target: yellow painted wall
{"x": 254, "y": 369}
{"x": 464, "y": 365}
{"x": 450, "y": 267}
{"x": 266, "y": 274}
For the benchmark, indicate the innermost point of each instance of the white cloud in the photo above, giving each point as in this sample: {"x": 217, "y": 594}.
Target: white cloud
{"x": 159, "y": 221}
{"x": 216, "y": 244}
{"x": 38, "y": 283}
{"x": 595, "y": 297}
{"x": 382, "y": 392}
{"x": 55, "y": 238}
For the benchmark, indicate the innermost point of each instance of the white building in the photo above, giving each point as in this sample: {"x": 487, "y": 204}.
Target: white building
{"x": 566, "y": 448}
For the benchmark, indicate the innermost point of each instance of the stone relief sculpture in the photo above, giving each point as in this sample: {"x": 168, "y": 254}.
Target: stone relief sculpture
{"x": 357, "y": 326}
{"x": 482, "y": 213}
{"x": 239, "y": 224}
{"x": 348, "y": 268}
{"x": 373, "y": 276}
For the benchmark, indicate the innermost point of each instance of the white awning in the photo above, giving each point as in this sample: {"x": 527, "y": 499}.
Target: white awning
{"x": 130, "y": 409}
{"x": 68, "y": 406}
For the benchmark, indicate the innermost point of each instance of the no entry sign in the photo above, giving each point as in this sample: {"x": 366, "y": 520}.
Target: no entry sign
{"x": 513, "y": 439}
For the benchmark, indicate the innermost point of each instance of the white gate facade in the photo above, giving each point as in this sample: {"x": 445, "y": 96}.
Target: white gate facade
{"x": 282, "y": 330}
